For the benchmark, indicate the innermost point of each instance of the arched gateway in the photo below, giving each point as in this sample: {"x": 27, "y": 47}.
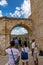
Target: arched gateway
{"x": 34, "y": 25}
{"x": 6, "y": 26}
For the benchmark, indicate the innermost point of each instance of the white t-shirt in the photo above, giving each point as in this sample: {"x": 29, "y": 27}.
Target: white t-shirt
{"x": 25, "y": 48}
{"x": 33, "y": 45}
{"x": 16, "y": 53}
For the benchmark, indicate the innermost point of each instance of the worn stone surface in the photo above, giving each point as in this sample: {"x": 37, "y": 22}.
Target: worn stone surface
{"x": 34, "y": 24}
{"x": 37, "y": 17}
{"x": 7, "y": 25}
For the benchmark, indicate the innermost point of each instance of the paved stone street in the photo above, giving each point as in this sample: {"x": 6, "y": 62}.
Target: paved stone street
{"x": 4, "y": 60}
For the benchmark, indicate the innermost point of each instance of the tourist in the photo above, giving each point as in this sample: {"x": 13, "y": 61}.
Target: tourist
{"x": 34, "y": 52}
{"x": 24, "y": 41}
{"x": 20, "y": 42}
{"x": 16, "y": 42}
{"x": 13, "y": 54}
{"x": 24, "y": 54}
{"x": 13, "y": 39}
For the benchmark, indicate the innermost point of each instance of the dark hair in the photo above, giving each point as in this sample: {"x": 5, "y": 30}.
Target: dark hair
{"x": 13, "y": 38}
{"x": 25, "y": 44}
{"x": 12, "y": 43}
{"x": 33, "y": 40}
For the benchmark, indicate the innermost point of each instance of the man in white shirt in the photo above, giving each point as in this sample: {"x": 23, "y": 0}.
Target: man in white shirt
{"x": 34, "y": 52}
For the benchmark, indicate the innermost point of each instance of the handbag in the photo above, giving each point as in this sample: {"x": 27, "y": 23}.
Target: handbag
{"x": 15, "y": 62}
{"x": 24, "y": 55}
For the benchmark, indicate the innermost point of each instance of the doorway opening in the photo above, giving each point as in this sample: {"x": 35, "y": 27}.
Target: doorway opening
{"x": 21, "y": 33}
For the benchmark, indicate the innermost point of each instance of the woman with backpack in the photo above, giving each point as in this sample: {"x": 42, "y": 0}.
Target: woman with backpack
{"x": 24, "y": 54}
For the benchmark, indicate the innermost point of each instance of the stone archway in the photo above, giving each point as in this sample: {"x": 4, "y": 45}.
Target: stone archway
{"x": 26, "y": 23}
{"x": 8, "y": 24}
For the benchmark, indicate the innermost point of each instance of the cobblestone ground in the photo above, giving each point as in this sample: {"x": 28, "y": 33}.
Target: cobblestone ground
{"x": 4, "y": 60}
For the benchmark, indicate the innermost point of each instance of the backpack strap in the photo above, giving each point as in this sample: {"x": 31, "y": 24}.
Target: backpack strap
{"x": 13, "y": 56}
{"x": 24, "y": 49}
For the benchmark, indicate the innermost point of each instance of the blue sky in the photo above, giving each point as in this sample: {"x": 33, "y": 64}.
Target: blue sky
{"x": 15, "y": 8}
{"x": 19, "y": 31}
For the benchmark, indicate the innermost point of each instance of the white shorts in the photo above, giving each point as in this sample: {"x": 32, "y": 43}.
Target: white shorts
{"x": 35, "y": 56}
{"x": 25, "y": 60}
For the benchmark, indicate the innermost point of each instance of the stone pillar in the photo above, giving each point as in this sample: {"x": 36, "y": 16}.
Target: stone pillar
{"x": 7, "y": 40}
{"x": 4, "y": 37}
{"x": 2, "y": 34}
{"x": 2, "y": 43}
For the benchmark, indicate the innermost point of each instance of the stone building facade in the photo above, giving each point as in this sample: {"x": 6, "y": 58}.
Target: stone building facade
{"x": 34, "y": 25}
{"x": 37, "y": 18}
{"x": 6, "y": 26}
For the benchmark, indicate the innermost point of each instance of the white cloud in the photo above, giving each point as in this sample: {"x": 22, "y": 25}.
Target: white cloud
{"x": 3, "y": 2}
{"x": 24, "y": 10}
{"x": 17, "y": 8}
{"x": 11, "y": 14}
{"x": 1, "y": 13}
{"x": 16, "y": 14}
{"x": 19, "y": 31}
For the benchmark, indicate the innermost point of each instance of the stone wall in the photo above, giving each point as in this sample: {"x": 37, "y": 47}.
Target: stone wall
{"x": 37, "y": 17}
